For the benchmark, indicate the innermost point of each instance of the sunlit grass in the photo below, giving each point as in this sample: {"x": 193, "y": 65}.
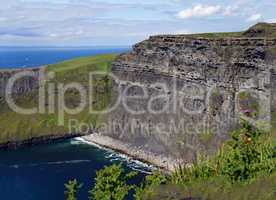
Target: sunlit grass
{"x": 17, "y": 127}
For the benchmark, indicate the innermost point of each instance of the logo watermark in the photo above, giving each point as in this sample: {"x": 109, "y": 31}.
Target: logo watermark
{"x": 177, "y": 106}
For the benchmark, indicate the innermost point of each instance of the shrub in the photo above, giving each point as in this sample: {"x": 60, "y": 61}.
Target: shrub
{"x": 72, "y": 188}
{"x": 246, "y": 161}
{"x": 247, "y": 155}
{"x": 150, "y": 183}
{"x": 111, "y": 184}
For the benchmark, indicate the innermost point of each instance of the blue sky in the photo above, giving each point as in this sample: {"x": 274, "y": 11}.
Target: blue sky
{"x": 122, "y": 22}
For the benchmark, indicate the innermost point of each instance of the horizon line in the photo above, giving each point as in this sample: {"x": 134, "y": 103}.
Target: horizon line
{"x": 73, "y": 46}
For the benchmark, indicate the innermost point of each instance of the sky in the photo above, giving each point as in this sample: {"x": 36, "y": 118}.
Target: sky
{"x": 122, "y": 22}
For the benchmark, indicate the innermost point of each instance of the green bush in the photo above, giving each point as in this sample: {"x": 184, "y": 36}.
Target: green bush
{"x": 150, "y": 183}
{"x": 247, "y": 155}
{"x": 111, "y": 184}
{"x": 218, "y": 188}
{"x": 246, "y": 161}
{"x": 72, "y": 188}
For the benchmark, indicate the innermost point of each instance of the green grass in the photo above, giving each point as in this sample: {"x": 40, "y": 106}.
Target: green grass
{"x": 258, "y": 30}
{"x": 262, "y": 30}
{"x": 273, "y": 127}
{"x": 263, "y": 188}
{"x": 217, "y": 35}
{"x": 100, "y": 62}
{"x": 244, "y": 168}
{"x": 17, "y": 127}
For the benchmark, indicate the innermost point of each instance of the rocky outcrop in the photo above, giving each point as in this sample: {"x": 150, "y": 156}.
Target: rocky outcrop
{"x": 27, "y": 83}
{"x": 181, "y": 95}
{"x": 261, "y": 30}
{"x": 186, "y": 93}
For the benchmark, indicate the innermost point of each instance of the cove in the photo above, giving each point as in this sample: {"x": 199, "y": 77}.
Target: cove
{"x": 39, "y": 172}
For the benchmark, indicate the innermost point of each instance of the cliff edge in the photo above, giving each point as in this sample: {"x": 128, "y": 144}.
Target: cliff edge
{"x": 193, "y": 90}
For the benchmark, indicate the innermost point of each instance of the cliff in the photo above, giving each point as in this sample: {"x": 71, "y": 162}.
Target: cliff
{"x": 180, "y": 95}
{"x": 185, "y": 93}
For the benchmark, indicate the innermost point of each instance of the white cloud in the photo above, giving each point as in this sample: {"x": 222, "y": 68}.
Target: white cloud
{"x": 199, "y": 11}
{"x": 254, "y": 17}
{"x": 230, "y": 10}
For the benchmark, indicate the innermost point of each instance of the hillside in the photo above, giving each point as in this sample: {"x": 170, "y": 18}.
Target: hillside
{"x": 232, "y": 77}
{"x": 17, "y": 128}
{"x": 257, "y": 31}
{"x": 261, "y": 30}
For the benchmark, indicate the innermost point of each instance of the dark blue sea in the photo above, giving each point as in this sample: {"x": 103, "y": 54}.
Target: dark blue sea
{"x": 39, "y": 172}
{"x": 17, "y": 57}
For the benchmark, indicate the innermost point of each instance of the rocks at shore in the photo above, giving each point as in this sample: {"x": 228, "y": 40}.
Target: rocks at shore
{"x": 161, "y": 161}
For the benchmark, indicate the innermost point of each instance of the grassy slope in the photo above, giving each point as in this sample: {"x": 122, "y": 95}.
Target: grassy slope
{"x": 218, "y": 35}
{"x": 261, "y": 189}
{"x": 14, "y": 127}
{"x": 258, "y": 183}
{"x": 258, "y": 30}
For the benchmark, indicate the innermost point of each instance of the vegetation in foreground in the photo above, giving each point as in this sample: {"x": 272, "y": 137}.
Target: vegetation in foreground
{"x": 244, "y": 168}
{"x": 24, "y": 127}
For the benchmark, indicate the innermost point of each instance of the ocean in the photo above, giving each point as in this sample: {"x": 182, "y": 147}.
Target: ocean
{"x": 19, "y": 57}
{"x": 40, "y": 172}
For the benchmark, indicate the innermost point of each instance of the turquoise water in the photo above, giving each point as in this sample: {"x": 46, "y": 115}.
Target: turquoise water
{"x": 39, "y": 172}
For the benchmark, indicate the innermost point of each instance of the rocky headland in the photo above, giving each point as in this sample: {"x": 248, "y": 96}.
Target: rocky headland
{"x": 185, "y": 94}
{"x": 213, "y": 80}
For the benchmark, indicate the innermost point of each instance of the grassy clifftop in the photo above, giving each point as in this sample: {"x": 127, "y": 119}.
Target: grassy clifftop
{"x": 258, "y": 30}
{"x": 19, "y": 127}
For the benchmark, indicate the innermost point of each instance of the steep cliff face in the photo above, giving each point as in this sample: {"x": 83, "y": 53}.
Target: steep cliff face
{"x": 28, "y": 82}
{"x": 194, "y": 91}
{"x": 180, "y": 95}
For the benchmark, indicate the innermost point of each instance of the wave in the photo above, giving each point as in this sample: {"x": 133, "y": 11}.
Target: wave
{"x": 67, "y": 162}
{"x": 16, "y": 166}
{"x": 113, "y": 156}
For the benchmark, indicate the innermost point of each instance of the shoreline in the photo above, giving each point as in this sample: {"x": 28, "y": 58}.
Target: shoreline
{"x": 37, "y": 141}
{"x": 160, "y": 161}
{"x": 116, "y": 155}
